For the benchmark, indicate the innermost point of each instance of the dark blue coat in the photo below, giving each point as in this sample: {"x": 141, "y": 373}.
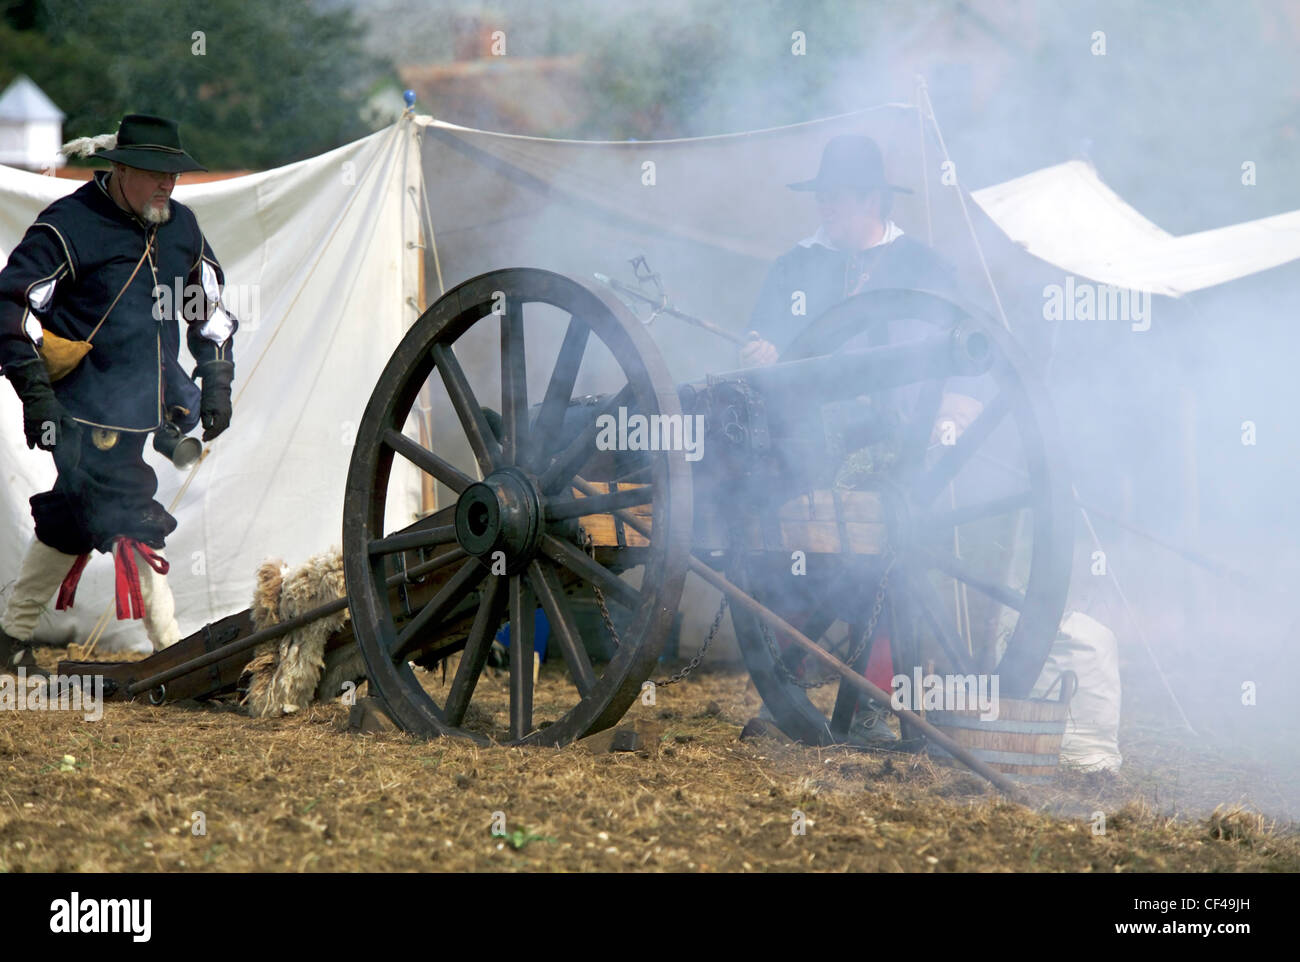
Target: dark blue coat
{"x": 827, "y": 276}
{"x": 71, "y": 265}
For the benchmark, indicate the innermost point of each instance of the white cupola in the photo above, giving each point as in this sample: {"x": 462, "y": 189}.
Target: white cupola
{"x": 31, "y": 127}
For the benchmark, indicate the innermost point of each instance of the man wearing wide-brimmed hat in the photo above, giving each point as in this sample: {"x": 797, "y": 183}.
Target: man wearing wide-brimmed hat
{"x": 91, "y": 348}
{"x": 856, "y": 248}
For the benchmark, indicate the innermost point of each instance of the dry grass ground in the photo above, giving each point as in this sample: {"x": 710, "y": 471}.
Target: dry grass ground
{"x": 300, "y": 793}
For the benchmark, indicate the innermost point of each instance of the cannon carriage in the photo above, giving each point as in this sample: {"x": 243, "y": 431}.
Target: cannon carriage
{"x": 895, "y": 475}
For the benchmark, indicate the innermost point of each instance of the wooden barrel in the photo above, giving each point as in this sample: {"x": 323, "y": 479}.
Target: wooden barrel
{"x": 1024, "y": 741}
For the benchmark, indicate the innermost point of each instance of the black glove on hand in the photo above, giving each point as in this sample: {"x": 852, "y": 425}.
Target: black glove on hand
{"x": 214, "y": 408}
{"x": 46, "y": 422}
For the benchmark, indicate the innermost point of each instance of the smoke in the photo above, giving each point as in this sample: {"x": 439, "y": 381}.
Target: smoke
{"x": 1182, "y": 435}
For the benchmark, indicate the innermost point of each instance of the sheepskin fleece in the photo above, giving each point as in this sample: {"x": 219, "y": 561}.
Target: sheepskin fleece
{"x": 286, "y": 673}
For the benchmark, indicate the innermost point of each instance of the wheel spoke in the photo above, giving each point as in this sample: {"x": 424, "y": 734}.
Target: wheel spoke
{"x": 413, "y": 540}
{"x": 567, "y": 463}
{"x": 559, "y": 391}
{"x": 475, "y": 655}
{"x": 916, "y": 437}
{"x": 564, "y": 630}
{"x": 460, "y": 584}
{"x": 436, "y": 563}
{"x": 468, "y": 410}
{"x": 637, "y": 475}
{"x": 559, "y": 509}
{"x": 514, "y": 383}
{"x": 956, "y": 568}
{"x": 427, "y": 461}
{"x": 815, "y": 628}
{"x": 902, "y": 638}
{"x": 591, "y": 571}
{"x": 846, "y": 696}
{"x": 934, "y": 480}
{"x": 943, "y": 522}
{"x": 521, "y": 658}
{"x": 816, "y": 617}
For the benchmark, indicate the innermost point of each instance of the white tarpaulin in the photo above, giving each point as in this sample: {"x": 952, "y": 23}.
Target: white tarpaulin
{"x": 322, "y": 260}
{"x": 1068, "y": 217}
{"x": 321, "y": 263}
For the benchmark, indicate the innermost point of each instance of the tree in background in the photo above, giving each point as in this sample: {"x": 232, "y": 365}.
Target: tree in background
{"x": 253, "y": 85}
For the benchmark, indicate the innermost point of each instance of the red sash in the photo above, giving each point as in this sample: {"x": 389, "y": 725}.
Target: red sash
{"x": 68, "y": 590}
{"x": 130, "y": 601}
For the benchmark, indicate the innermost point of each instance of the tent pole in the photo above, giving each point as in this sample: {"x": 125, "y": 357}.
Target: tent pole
{"x": 428, "y": 242}
{"x": 428, "y": 490}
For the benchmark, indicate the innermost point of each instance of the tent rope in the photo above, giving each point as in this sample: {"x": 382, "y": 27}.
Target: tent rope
{"x": 338, "y": 223}
{"x": 1119, "y": 588}
{"x": 1128, "y": 608}
{"x": 924, "y": 93}
{"x": 428, "y": 223}
{"x": 1110, "y": 570}
{"x": 925, "y": 164}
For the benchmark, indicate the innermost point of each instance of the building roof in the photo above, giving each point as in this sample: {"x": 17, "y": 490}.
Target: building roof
{"x": 24, "y": 101}
{"x": 518, "y": 95}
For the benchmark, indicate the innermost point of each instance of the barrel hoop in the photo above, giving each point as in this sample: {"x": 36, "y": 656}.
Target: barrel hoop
{"x": 1008, "y": 725}
{"x": 1006, "y": 758}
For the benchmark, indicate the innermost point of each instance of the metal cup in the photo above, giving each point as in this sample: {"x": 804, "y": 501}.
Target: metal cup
{"x": 182, "y": 451}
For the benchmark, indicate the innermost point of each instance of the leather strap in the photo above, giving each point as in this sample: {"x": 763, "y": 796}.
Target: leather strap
{"x": 147, "y": 247}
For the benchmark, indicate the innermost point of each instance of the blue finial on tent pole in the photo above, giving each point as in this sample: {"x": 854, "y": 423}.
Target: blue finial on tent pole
{"x": 409, "y": 97}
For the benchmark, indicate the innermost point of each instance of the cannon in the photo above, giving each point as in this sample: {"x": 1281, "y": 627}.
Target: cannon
{"x": 819, "y": 494}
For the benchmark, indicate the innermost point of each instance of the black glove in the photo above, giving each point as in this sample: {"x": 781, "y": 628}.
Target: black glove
{"x": 214, "y": 408}
{"x": 46, "y": 422}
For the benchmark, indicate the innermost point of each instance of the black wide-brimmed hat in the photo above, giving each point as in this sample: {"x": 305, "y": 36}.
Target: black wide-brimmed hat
{"x": 850, "y": 160}
{"x": 150, "y": 143}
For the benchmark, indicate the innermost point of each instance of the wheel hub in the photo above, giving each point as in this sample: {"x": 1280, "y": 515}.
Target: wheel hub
{"x": 502, "y": 513}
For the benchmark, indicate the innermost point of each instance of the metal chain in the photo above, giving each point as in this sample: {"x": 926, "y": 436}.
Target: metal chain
{"x": 618, "y": 642}
{"x": 590, "y": 546}
{"x": 604, "y": 616}
{"x": 699, "y": 655}
{"x": 695, "y": 662}
{"x": 867, "y": 635}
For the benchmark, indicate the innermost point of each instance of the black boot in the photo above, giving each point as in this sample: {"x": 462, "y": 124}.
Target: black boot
{"x": 15, "y": 654}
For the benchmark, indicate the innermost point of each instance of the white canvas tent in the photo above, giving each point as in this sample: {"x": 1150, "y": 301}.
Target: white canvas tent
{"x": 1066, "y": 216}
{"x": 316, "y": 254}
{"x": 332, "y": 247}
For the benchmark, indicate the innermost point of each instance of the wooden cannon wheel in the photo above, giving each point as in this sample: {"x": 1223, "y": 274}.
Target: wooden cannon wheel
{"x": 1007, "y": 471}
{"x": 515, "y": 472}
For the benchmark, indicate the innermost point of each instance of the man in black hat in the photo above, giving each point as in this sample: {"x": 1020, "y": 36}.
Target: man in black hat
{"x": 856, "y": 248}
{"x": 91, "y": 348}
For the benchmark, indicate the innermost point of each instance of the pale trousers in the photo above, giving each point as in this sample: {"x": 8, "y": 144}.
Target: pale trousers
{"x": 43, "y": 571}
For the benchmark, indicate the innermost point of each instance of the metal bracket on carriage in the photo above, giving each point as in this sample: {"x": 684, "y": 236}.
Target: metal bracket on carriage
{"x": 736, "y": 429}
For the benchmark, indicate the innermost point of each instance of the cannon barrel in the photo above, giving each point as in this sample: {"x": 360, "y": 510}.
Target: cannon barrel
{"x": 847, "y": 374}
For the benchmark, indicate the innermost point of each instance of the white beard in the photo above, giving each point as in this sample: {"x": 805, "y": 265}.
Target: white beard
{"x": 153, "y": 216}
